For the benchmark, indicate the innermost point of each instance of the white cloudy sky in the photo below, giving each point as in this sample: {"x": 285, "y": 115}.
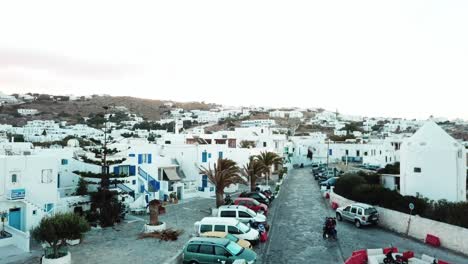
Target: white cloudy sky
{"x": 393, "y": 58}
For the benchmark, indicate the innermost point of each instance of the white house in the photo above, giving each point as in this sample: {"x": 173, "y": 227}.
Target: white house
{"x": 28, "y": 192}
{"x": 258, "y": 122}
{"x": 27, "y": 112}
{"x": 277, "y": 114}
{"x": 295, "y": 114}
{"x": 433, "y": 165}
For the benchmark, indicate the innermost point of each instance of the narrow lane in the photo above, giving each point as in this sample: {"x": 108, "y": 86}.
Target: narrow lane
{"x": 296, "y": 230}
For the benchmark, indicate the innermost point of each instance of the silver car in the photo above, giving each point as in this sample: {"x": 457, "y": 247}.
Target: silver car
{"x": 359, "y": 213}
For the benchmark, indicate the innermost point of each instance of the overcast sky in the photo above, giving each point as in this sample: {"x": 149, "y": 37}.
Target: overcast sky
{"x": 375, "y": 58}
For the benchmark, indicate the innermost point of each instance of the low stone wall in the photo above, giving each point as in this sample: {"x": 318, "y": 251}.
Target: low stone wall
{"x": 451, "y": 237}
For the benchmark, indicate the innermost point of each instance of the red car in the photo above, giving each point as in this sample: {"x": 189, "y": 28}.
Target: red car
{"x": 252, "y": 204}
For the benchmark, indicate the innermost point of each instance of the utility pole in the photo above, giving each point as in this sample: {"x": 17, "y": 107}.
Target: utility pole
{"x": 328, "y": 150}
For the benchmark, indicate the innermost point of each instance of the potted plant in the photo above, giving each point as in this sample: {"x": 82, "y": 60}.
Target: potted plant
{"x": 154, "y": 223}
{"x": 174, "y": 197}
{"x": 3, "y": 216}
{"x": 55, "y": 231}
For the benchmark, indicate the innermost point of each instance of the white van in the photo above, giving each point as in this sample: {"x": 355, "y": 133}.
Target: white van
{"x": 241, "y": 213}
{"x": 228, "y": 225}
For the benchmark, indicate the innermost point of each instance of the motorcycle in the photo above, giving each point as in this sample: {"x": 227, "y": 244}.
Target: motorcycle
{"x": 228, "y": 200}
{"x": 329, "y": 230}
{"x": 398, "y": 259}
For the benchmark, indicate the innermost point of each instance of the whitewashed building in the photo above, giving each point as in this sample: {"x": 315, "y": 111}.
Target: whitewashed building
{"x": 433, "y": 165}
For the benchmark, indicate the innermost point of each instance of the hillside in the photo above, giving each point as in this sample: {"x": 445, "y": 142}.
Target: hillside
{"x": 73, "y": 111}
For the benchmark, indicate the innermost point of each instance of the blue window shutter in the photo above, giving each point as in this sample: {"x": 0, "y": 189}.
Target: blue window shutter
{"x": 131, "y": 155}
{"x": 204, "y": 156}
{"x": 220, "y": 154}
{"x": 142, "y": 188}
{"x": 116, "y": 170}
{"x": 209, "y": 155}
{"x": 330, "y": 152}
{"x": 150, "y": 158}
{"x": 132, "y": 170}
{"x": 140, "y": 158}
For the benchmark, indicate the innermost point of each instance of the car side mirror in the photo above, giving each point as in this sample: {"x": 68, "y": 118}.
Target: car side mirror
{"x": 227, "y": 255}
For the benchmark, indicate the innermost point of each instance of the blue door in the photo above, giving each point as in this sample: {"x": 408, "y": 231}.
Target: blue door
{"x": 14, "y": 218}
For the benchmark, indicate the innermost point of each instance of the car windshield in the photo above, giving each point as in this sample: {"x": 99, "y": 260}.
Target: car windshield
{"x": 243, "y": 228}
{"x": 255, "y": 202}
{"x": 261, "y": 195}
{"x": 251, "y": 212}
{"x": 369, "y": 211}
{"x": 231, "y": 237}
{"x": 234, "y": 248}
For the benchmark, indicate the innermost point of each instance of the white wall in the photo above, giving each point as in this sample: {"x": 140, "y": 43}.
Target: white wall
{"x": 451, "y": 237}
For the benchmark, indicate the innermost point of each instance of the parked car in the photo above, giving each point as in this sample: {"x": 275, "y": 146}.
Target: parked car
{"x": 241, "y": 242}
{"x": 257, "y": 196}
{"x": 329, "y": 182}
{"x": 252, "y": 204}
{"x": 359, "y": 213}
{"x": 215, "y": 250}
{"x": 228, "y": 225}
{"x": 241, "y": 213}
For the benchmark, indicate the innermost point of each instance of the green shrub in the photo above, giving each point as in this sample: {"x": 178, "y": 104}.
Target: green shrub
{"x": 346, "y": 183}
{"x": 55, "y": 230}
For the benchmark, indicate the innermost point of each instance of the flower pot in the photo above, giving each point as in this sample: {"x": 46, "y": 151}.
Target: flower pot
{"x": 73, "y": 242}
{"x": 154, "y": 228}
{"x": 62, "y": 260}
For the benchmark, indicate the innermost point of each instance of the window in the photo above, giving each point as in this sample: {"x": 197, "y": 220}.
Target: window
{"x": 64, "y": 161}
{"x": 192, "y": 248}
{"x": 233, "y": 230}
{"x": 219, "y": 251}
{"x": 365, "y": 153}
{"x": 417, "y": 169}
{"x": 168, "y": 142}
{"x": 242, "y": 203}
{"x": 206, "y": 228}
{"x": 358, "y": 153}
{"x": 353, "y": 210}
{"x": 46, "y": 176}
{"x": 220, "y": 228}
{"x": 206, "y": 249}
{"x": 264, "y": 144}
{"x": 360, "y": 211}
{"x": 220, "y": 154}
{"x": 124, "y": 170}
{"x": 244, "y": 215}
{"x": 14, "y": 178}
{"x": 133, "y": 182}
{"x": 34, "y": 212}
{"x": 347, "y": 152}
{"x": 204, "y": 156}
{"x": 228, "y": 214}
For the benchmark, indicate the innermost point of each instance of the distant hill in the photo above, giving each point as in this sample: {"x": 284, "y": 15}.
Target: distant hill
{"x": 73, "y": 111}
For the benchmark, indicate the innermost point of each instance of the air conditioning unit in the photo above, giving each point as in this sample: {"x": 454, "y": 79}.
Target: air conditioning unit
{"x": 27, "y": 153}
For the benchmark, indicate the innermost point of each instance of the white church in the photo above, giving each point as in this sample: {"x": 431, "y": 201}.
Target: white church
{"x": 433, "y": 165}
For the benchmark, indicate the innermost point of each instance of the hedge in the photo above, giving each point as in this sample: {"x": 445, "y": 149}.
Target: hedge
{"x": 363, "y": 187}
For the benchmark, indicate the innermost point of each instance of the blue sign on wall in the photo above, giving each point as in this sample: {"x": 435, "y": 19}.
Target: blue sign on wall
{"x": 17, "y": 194}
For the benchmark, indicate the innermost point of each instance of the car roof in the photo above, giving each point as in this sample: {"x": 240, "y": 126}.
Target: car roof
{"x": 217, "y": 234}
{"x": 209, "y": 240}
{"x": 235, "y": 207}
{"x": 363, "y": 205}
{"x": 219, "y": 220}
{"x": 244, "y": 198}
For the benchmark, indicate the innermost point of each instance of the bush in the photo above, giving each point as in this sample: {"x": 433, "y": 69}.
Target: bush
{"x": 55, "y": 230}
{"x": 346, "y": 183}
{"x": 365, "y": 188}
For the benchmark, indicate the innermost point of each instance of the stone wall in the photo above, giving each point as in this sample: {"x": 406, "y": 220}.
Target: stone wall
{"x": 451, "y": 237}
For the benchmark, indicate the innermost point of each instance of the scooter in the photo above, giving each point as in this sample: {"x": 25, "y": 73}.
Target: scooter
{"x": 389, "y": 259}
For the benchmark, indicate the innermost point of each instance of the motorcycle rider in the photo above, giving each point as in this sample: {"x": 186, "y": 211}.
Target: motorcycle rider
{"x": 329, "y": 227}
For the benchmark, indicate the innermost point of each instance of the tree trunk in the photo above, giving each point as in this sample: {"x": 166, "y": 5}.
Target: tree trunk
{"x": 219, "y": 198}
{"x": 154, "y": 216}
{"x": 253, "y": 180}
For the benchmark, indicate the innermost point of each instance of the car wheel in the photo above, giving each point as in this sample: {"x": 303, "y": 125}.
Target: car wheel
{"x": 338, "y": 217}
{"x": 193, "y": 262}
{"x": 357, "y": 223}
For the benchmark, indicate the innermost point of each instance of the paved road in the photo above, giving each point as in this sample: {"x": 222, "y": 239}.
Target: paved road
{"x": 296, "y": 234}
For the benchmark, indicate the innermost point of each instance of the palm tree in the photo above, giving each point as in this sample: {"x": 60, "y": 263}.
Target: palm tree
{"x": 269, "y": 159}
{"x": 224, "y": 173}
{"x": 254, "y": 169}
{"x": 154, "y": 212}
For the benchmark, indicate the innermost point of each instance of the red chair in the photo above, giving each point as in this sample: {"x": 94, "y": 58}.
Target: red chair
{"x": 392, "y": 249}
{"x": 432, "y": 240}
{"x": 442, "y": 262}
{"x": 408, "y": 254}
{"x": 334, "y": 205}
